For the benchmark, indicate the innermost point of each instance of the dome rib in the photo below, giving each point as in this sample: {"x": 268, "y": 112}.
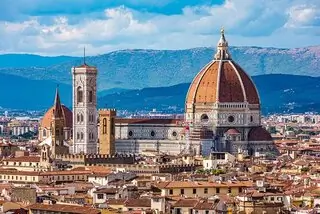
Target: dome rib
{"x": 222, "y": 80}
{"x": 48, "y": 117}
{"x": 218, "y": 81}
{"x": 240, "y": 80}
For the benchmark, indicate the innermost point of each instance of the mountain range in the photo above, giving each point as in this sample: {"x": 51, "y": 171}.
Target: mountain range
{"x": 137, "y": 69}
{"x": 279, "y": 93}
{"x": 138, "y": 79}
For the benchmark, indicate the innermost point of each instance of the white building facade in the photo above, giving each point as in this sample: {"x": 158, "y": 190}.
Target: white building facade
{"x": 85, "y": 131}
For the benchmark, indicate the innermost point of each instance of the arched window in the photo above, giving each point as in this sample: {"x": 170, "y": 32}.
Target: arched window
{"x": 104, "y": 126}
{"x": 204, "y": 118}
{"x": 90, "y": 95}
{"x": 112, "y": 126}
{"x": 81, "y": 117}
{"x": 79, "y": 95}
{"x": 152, "y": 134}
{"x": 78, "y": 135}
{"x": 78, "y": 118}
{"x": 44, "y": 133}
{"x": 81, "y": 135}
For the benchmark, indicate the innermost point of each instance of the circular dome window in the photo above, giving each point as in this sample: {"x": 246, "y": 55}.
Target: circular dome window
{"x": 231, "y": 119}
{"x": 152, "y": 134}
{"x": 204, "y": 118}
{"x": 130, "y": 133}
{"x": 174, "y": 134}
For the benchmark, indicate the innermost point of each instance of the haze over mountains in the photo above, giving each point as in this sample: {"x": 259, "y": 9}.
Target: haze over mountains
{"x": 137, "y": 69}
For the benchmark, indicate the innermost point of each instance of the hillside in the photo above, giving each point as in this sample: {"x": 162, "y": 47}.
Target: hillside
{"x": 30, "y": 60}
{"x": 278, "y": 93}
{"x": 22, "y": 93}
{"x": 157, "y": 68}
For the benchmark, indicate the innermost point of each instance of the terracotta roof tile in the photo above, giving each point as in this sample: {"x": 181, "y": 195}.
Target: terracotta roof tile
{"x": 23, "y": 159}
{"x": 140, "y": 202}
{"x": 259, "y": 134}
{"x": 228, "y": 83}
{"x": 64, "y": 208}
{"x": 47, "y": 118}
{"x": 186, "y": 203}
{"x": 147, "y": 121}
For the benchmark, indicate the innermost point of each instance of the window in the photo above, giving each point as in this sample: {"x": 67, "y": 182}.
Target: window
{"x": 174, "y": 134}
{"x": 182, "y": 191}
{"x": 112, "y": 126}
{"x": 104, "y": 126}
{"x": 207, "y": 212}
{"x": 100, "y": 196}
{"x": 218, "y": 190}
{"x": 205, "y": 191}
{"x": 204, "y": 118}
{"x": 44, "y": 133}
{"x": 78, "y": 135}
{"x": 78, "y": 118}
{"x": 81, "y": 135}
{"x": 251, "y": 119}
{"x": 90, "y": 96}
{"x": 81, "y": 117}
{"x": 231, "y": 119}
{"x": 152, "y": 134}
{"x": 229, "y": 190}
{"x": 272, "y": 198}
{"x": 79, "y": 95}
{"x": 170, "y": 191}
{"x": 130, "y": 133}
{"x": 194, "y": 191}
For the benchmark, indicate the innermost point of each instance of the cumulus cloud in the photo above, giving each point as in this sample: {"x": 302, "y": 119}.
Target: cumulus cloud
{"x": 45, "y": 28}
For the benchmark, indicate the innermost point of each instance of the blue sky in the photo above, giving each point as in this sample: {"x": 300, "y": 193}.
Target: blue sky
{"x": 63, "y": 27}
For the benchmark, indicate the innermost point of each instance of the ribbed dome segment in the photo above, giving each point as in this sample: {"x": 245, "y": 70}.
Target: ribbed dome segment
{"x": 222, "y": 80}
{"x": 48, "y": 117}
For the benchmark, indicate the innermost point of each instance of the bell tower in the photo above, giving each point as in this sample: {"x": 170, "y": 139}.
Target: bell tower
{"x": 107, "y": 131}
{"x": 57, "y": 126}
{"x": 85, "y": 131}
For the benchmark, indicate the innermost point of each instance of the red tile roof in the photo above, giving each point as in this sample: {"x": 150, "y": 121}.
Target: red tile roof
{"x": 147, "y": 121}
{"x": 64, "y": 208}
{"x": 23, "y": 159}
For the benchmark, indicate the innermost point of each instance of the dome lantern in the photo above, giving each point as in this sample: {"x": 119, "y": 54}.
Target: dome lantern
{"x": 222, "y": 48}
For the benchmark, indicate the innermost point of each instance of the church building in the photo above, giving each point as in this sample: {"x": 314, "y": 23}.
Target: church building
{"x": 222, "y": 113}
{"x": 55, "y": 129}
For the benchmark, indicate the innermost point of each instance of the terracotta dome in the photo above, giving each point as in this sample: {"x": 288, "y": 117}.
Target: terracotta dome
{"x": 259, "y": 134}
{"x": 232, "y": 132}
{"x": 222, "y": 80}
{"x": 47, "y": 118}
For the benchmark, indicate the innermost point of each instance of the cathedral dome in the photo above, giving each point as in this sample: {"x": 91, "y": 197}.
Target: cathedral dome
{"x": 259, "y": 134}
{"x": 223, "y": 81}
{"x": 48, "y": 116}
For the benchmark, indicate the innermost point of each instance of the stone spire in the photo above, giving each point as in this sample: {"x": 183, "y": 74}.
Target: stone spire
{"x": 57, "y": 108}
{"x": 222, "y": 48}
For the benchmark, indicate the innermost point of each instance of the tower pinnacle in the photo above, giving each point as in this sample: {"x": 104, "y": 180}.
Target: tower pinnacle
{"x": 57, "y": 110}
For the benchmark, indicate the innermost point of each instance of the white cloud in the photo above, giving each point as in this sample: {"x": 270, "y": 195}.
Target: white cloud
{"x": 303, "y": 16}
{"x": 247, "y": 22}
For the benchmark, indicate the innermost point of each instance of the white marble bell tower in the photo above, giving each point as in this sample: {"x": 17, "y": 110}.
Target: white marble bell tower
{"x": 85, "y": 131}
